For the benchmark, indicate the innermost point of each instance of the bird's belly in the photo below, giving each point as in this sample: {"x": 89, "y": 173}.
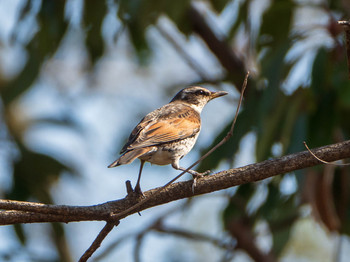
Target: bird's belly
{"x": 167, "y": 153}
{"x": 158, "y": 157}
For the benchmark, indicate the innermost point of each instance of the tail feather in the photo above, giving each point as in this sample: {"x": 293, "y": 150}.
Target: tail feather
{"x": 129, "y": 157}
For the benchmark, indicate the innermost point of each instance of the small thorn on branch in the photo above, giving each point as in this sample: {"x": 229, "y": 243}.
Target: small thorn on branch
{"x": 129, "y": 189}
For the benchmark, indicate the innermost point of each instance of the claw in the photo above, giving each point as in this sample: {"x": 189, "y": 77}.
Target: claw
{"x": 205, "y": 173}
{"x": 196, "y": 176}
{"x": 138, "y": 191}
{"x": 194, "y": 183}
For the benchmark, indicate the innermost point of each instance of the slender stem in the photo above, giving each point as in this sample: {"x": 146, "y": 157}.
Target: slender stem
{"x": 98, "y": 240}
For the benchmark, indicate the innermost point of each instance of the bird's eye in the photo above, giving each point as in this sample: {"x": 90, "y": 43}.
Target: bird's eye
{"x": 200, "y": 92}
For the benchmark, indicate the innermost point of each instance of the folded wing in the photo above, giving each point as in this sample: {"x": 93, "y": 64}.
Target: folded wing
{"x": 170, "y": 126}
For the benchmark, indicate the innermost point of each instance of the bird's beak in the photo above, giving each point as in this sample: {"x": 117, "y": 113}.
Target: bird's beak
{"x": 217, "y": 94}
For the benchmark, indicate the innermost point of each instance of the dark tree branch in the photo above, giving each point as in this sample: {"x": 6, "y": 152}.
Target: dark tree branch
{"x": 246, "y": 241}
{"x": 149, "y": 228}
{"x": 97, "y": 242}
{"x": 187, "y": 234}
{"x": 27, "y": 212}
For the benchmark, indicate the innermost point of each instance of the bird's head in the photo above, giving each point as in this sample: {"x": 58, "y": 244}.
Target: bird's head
{"x": 197, "y": 97}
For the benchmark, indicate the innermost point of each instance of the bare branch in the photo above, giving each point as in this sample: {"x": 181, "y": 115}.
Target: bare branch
{"x": 246, "y": 241}
{"x": 193, "y": 236}
{"x": 97, "y": 242}
{"x": 122, "y": 238}
{"x": 27, "y": 212}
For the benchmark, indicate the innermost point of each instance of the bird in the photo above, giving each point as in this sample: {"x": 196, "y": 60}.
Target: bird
{"x": 168, "y": 133}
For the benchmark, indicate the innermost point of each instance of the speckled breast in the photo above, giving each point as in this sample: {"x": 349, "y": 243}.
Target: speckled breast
{"x": 165, "y": 154}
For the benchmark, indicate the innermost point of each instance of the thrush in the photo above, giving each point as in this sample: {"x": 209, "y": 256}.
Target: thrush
{"x": 168, "y": 133}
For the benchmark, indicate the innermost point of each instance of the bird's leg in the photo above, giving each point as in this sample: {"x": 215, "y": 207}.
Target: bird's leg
{"x": 137, "y": 187}
{"x": 195, "y": 174}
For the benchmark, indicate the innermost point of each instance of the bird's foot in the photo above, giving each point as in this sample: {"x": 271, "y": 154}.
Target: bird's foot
{"x": 196, "y": 176}
{"x": 138, "y": 191}
{"x": 205, "y": 173}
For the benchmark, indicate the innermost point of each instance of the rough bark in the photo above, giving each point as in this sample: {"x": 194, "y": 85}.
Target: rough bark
{"x": 27, "y": 212}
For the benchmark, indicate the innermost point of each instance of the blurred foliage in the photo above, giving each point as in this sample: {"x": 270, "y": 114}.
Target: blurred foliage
{"x": 45, "y": 42}
{"x": 138, "y": 15}
{"x": 317, "y": 112}
{"x": 93, "y": 18}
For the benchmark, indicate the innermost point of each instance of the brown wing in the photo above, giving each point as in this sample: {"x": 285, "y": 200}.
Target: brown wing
{"x": 169, "y": 123}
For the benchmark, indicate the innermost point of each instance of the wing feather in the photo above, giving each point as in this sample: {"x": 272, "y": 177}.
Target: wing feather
{"x": 169, "y": 124}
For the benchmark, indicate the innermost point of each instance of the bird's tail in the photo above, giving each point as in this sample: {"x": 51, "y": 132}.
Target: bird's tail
{"x": 129, "y": 157}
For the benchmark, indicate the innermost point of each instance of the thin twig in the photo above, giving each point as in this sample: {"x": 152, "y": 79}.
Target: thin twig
{"x": 107, "y": 250}
{"x": 98, "y": 240}
{"x": 323, "y": 161}
{"x": 229, "y": 134}
{"x": 122, "y": 238}
{"x": 187, "y": 234}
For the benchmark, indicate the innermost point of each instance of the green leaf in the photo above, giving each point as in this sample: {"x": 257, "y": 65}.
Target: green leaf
{"x": 219, "y": 5}
{"x": 281, "y": 238}
{"x": 94, "y": 14}
{"x": 276, "y": 22}
{"x": 323, "y": 117}
{"x": 59, "y": 237}
{"x": 177, "y": 11}
{"x": 18, "y": 228}
{"x": 241, "y": 19}
{"x": 33, "y": 175}
{"x": 271, "y": 128}
{"x": 279, "y": 123}
{"x": 298, "y": 135}
{"x": 320, "y": 73}
{"x": 139, "y": 15}
{"x": 274, "y": 69}
{"x": 295, "y": 103}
